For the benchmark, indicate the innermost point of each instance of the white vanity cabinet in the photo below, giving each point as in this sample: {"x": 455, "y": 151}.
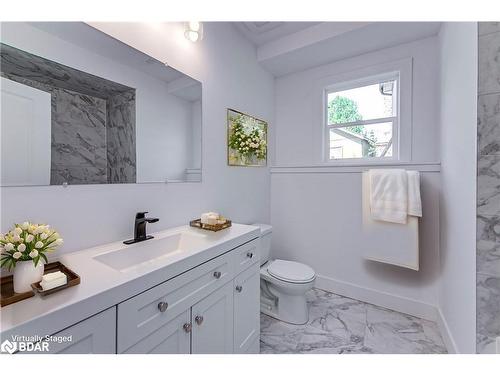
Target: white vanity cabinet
{"x": 212, "y": 320}
{"x": 95, "y": 335}
{"x": 247, "y": 311}
{"x": 200, "y": 303}
{"x": 212, "y": 308}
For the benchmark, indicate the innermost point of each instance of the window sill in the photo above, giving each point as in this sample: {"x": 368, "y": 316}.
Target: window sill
{"x": 356, "y": 167}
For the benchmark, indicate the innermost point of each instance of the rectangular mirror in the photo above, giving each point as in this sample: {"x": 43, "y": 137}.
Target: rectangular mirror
{"x": 80, "y": 107}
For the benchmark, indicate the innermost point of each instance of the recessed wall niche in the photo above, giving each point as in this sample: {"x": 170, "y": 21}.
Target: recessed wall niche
{"x": 92, "y": 119}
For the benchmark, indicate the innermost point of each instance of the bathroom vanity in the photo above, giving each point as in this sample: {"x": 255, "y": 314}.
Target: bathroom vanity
{"x": 185, "y": 291}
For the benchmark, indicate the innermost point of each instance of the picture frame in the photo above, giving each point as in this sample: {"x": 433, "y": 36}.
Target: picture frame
{"x": 246, "y": 140}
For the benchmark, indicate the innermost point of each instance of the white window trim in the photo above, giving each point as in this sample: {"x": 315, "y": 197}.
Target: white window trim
{"x": 402, "y": 132}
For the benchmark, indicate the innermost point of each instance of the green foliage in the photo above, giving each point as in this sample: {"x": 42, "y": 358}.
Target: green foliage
{"x": 343, "y": 110}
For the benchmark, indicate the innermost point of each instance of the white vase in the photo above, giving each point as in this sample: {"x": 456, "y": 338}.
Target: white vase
{"x": 25, "y": 274}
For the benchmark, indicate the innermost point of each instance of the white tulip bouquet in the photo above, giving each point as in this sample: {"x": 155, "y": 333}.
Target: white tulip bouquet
{"x": 27, "y": 241}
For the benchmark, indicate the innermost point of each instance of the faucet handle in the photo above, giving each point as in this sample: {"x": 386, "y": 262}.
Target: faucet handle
{"x": 141, "y": 215}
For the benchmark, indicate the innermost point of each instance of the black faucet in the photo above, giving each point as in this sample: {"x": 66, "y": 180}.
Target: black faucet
{"x": 140, "y": 228}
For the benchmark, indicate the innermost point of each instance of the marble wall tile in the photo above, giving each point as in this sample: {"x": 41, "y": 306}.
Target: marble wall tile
{"x": 488, "y": 27}
{"x": 78, "y": 135}
{"x": 488, "y": 307}
{"x": 488, "y": 188}
{"x": 488, "y": 185}
{"x": 488, "y": 125}
{"x": 489, "y": 63}
{"x": 16, "y": 62}
{"x": 121, "y": 140}
{"x": 77, "y": 175}
{"x": 488, "y": 245}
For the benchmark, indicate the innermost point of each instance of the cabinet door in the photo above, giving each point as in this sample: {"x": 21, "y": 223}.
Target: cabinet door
{"x": 95, "y": 335}
{"x": 247, "y": 310}
{"x": 172, "y": 338}
{"x": 141, "y": 316}
{"x": 212, "y": 320}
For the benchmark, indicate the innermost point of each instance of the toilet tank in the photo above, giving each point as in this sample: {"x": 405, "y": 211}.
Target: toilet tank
{"x": 265, "y": 241}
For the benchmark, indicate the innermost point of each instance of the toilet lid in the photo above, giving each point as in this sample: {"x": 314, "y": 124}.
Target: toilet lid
{"x": 293, "y": 272}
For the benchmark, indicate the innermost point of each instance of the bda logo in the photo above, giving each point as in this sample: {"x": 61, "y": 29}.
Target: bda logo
{"x": 8, "y": 347}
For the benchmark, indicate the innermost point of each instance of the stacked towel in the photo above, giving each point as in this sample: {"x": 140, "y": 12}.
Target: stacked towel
{"x": 394, "y": 194}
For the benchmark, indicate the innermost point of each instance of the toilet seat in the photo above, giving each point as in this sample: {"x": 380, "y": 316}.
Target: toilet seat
{"x": 292, "y": 272}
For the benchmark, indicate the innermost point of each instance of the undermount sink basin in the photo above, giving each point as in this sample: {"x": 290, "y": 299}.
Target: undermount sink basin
{"x": 150, "y": 251}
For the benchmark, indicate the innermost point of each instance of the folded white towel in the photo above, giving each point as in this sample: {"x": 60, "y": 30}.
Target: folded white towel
{"x": 389, "y": 195}
{"x": 414, "y": 200}
{"x": 53, "y": 275}
{"x": 53, "y": 280}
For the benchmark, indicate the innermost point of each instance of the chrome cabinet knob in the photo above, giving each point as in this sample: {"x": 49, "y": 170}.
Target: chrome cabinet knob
{"x": 250, "y": 255}
{"x": 162, "y": 306}
{"x": 217, "y": 274}
{"x": 198, "y": 320}
{"x": 187, "y": 327}
{"x": 239, "y": 288}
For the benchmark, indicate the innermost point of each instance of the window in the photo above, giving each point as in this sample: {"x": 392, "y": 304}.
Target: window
{"x": 362, "y": 119}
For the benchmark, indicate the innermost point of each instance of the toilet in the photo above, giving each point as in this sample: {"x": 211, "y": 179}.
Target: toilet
{"x": 283, "y": 284}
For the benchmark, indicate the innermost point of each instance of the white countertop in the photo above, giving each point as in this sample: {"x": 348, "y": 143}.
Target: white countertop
{"x": 102, "y": 286}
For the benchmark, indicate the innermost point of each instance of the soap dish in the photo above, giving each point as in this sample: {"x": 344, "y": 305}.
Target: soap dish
{"x": 213, "y": 227}
{"x": 73, "y": 278}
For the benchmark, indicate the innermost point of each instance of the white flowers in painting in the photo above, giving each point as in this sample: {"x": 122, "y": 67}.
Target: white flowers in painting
{"x": 28, "y": 242}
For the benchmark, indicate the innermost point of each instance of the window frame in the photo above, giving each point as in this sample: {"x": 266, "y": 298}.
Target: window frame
{"x": 394, "y": 120}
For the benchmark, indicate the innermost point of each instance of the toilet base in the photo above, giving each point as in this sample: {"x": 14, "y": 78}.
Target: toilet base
{"x": 289, "y": 308}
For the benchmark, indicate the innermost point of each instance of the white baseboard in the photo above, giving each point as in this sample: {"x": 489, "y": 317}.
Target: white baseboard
{"x": 451, "y": 346}
{"x": 375, "y": 297}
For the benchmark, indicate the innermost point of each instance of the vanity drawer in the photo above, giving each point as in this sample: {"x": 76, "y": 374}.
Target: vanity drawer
{"x": 145, "y": 313}
{"x": 246, "y": 255}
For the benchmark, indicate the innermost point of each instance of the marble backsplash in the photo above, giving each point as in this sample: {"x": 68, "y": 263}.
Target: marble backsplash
{"x": 92, "y": 119}
{"x": 488, "y": 188}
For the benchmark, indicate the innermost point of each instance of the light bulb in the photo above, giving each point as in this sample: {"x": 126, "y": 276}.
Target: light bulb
{"x": 193, "y": 31}
{"x": 192, "y": 36}
{"x": 194, "y": 26}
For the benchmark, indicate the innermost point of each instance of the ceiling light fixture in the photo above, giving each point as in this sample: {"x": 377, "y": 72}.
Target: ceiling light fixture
{"x": 193, "y": 31}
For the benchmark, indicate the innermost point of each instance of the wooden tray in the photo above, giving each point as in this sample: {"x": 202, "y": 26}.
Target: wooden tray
{"x": 8, "y": 295}
{"x": 213, "y": 227}
{"x": 73, "y": 278}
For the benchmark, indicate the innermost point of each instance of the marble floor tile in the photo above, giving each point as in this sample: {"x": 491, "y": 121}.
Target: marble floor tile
{"x": 341, "y": 325}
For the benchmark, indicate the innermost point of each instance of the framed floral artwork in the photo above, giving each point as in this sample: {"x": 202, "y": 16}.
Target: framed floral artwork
{"x": 246, "y": 140}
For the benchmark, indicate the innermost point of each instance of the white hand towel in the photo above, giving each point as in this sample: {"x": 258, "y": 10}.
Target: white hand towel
{"x": 389, "y": 195}
{"x": 414, "y": 200}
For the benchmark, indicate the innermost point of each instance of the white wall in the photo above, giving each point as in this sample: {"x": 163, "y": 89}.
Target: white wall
{"x": 225, "y": 64}
{"x": 297, "y": 120}
{"x": 316, "y": 216}
{"x": 458, "y": 43}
